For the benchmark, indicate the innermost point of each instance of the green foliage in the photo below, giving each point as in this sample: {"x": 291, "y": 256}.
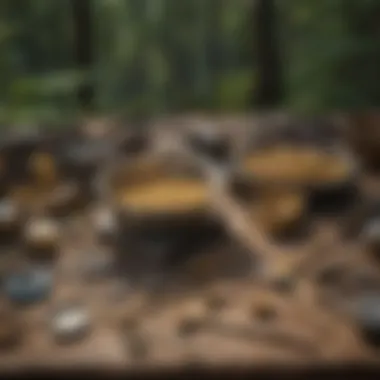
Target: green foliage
{"x": 234, "y": 90}
{"x": 159, "y": 55}
{"x": 334, "y": 53}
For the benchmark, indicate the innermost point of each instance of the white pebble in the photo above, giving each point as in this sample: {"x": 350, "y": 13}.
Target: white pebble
{"x": 71, "y": 323}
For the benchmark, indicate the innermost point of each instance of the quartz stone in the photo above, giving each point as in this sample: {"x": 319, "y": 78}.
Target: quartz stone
{"x": 70, "y": 324}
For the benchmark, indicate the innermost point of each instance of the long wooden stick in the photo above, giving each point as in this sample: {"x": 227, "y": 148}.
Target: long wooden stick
{"x": 239, "y": 222}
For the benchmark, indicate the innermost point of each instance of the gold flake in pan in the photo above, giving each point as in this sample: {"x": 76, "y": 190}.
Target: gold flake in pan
{"x": 150, "y": 186}
{"x": 166, "y": 195}
{"x": 297, "y": 165}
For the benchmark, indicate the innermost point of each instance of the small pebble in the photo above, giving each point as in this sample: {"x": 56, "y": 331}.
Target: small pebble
{"x": 372, "y": 229}
{"x": 70, "y": 324}
{"x": 9, "y": 219}
{"x": 366, "y": 312}
{"x": 105, "y": 223}
{"x": 29, "y": 286}
{"x": 371, "y": 235}
{"x": 42, "y": 234}
{"x": 8, "y": 212}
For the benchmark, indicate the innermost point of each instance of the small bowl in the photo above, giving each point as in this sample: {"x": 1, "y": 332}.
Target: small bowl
{"x": 158, "y": 186}
{"x": 296, "y": 166}
{"x": 330, "y": 188}
{"x": 11, "y": 219}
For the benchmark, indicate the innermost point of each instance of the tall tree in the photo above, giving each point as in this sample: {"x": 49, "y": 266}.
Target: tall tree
{"x": 269, "y": 89}
{"x": 83, "y": 48}
{"x": 359, "y": 67}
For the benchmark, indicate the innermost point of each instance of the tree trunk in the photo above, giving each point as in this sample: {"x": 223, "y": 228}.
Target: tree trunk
{"x": 268, "y": 91}
{"x": 359, "y": 68}
{"x": 83, "y": 48}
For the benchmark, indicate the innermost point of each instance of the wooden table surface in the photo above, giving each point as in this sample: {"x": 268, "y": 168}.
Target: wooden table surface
{"x": 255, "y": 324}
{"x": 304, "y": 328}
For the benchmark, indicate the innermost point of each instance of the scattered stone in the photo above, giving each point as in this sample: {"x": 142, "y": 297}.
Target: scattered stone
{"x": 70, "y": 324}
{"x": 29, "y": 286}
{"x": 9, "y": 213}
{"x": 371, "y": 236}
{"x": 42, "y": 238}
{"x": 9, "y": 221}
{"x": 366, "y": 312}
{"x": 105, "y": 224}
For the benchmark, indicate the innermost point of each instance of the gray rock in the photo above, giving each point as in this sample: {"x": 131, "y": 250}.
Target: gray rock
{"x": 105, "y": 223}
{"x": 42, "y": 232}
{"x": 371, "y": 232}
{"x": 9, "y": 213}
{"x": 29, "y": 286}
{"x": 70, "y": 324}
{"x": 366, "y": 312}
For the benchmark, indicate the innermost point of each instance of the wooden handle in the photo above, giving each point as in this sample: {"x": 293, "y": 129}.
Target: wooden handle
{"x": 237, "y": 220}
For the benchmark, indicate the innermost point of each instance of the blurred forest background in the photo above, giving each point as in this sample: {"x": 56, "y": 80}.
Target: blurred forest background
{"x": 60, "y": 58}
